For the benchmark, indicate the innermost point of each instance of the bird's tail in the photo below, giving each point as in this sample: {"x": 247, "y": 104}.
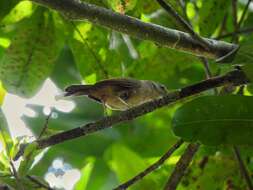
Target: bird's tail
{"x": 74, "y": 90}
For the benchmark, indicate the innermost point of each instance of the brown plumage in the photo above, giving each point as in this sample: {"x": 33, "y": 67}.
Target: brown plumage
{"x": 119, "y": 93}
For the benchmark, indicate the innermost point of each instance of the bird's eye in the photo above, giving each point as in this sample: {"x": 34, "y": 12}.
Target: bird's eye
{"x": 124, "y": 95}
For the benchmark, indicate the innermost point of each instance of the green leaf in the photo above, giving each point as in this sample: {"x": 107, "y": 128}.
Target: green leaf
{"x": 28, "y": 158}
{"x": 85, "y": 175}
{"x": 5, "y": 136}
{"x": 90, "y": 47}
{"x": 126, "y": 164}
{"x": 122, "y": 6}
{"x": 244, "y": 57}
{"x": 21, "y": 10}
{"x": 211, "y": 14}
{"x": 31, "y": 56}
{"x": 6, "y": 6}
{"x": 216, "y": 120}
{"x": 2, "y": 94}
{"x": 65, "y": 64}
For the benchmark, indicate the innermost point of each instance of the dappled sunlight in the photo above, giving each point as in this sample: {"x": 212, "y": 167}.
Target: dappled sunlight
{"x": 15, "y": 107}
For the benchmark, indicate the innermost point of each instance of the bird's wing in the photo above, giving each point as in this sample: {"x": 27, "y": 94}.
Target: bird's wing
{"x": 119, "y": 84}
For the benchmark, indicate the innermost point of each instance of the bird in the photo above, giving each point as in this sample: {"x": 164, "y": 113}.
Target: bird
{"x": 119, "y": 93}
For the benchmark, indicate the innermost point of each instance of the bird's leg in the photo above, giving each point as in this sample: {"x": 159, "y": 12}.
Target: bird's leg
{"x": 126, "y": 104}
{"x": 104, "y": 109}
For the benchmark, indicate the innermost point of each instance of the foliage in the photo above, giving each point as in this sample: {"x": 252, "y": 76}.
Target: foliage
{"x": 37, "y": 43}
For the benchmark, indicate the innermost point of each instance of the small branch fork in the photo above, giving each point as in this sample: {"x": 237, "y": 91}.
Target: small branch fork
{"x": 151, "y": 168}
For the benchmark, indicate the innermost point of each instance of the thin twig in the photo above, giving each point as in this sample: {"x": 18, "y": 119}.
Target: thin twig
{"x": 97, "y": 60}
{"x": 208, "y": 71}
{"x": 234, "y": 14}
{"x": 184, "y": 23}
{"x": 181, "y": 167}
{"x": 223, "y": 24}
{"x": 203, "y": 59}
{"x": 207, "y": 68}
{"x": 151, "y": 168}
{"x": 39, "y": 183}
{"x": 243, "y": 168}
{"x": 244, "y": 13}
{"x": 242, "y": 31}
{"x": 182, "y": 4}
{"x": 15, "y": 174}
{"x": 45, "y": 125}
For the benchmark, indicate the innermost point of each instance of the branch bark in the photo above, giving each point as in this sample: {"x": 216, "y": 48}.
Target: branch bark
{"x": 181, "y": 167}
{"x": 243, "y": 168}
{"x": 76, "y": 10}
{"x": 183, "y": 23}
{"x": 236, "y": 77}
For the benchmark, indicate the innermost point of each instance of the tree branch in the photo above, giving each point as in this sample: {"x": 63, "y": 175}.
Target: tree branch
{"x": 151, "y": 168}
{"x": 236, "y": 77}
{"x": 244, "y": 13}
{"x": 39, "y": 183}
{"x": 235, "y": 38}
{"x": 242, "y": 31}
{"x": 243, "y": 168}
{"x": 204, "y": 43}
{"x": 147, "y": 31}
{"x": 44, "y": 129}
{"x": 181, "y": 167}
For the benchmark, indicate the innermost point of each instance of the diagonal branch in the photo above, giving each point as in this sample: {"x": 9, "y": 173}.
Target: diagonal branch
{"x": 236, "y": 77}
{"x": 151, "y": 168}
{"x": 181, "y": 167}
{"x": 244, "y": 13}
{"x": 243, "y": 168}
{"x": 204, "y": 43}
{"x": 77, "y": 10}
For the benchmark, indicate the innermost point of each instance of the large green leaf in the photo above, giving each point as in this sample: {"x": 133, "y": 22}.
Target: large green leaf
{"x": 215, "y": 120}
{"x": 65, "y": 64}
{"x": 211, "y": 15}
{"x": 89, "y": 46}
{"x": 30, "y": 58}
{"x": 6, "y": 6}
{"x": 126, "y": 163}
{"x": 21, "y": 10}
{"x": 85, "y": 176}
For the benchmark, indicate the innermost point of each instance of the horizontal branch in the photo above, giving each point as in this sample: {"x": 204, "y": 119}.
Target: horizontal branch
{"x": 236, "y": 77}
{"x": 77, "y": 10}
